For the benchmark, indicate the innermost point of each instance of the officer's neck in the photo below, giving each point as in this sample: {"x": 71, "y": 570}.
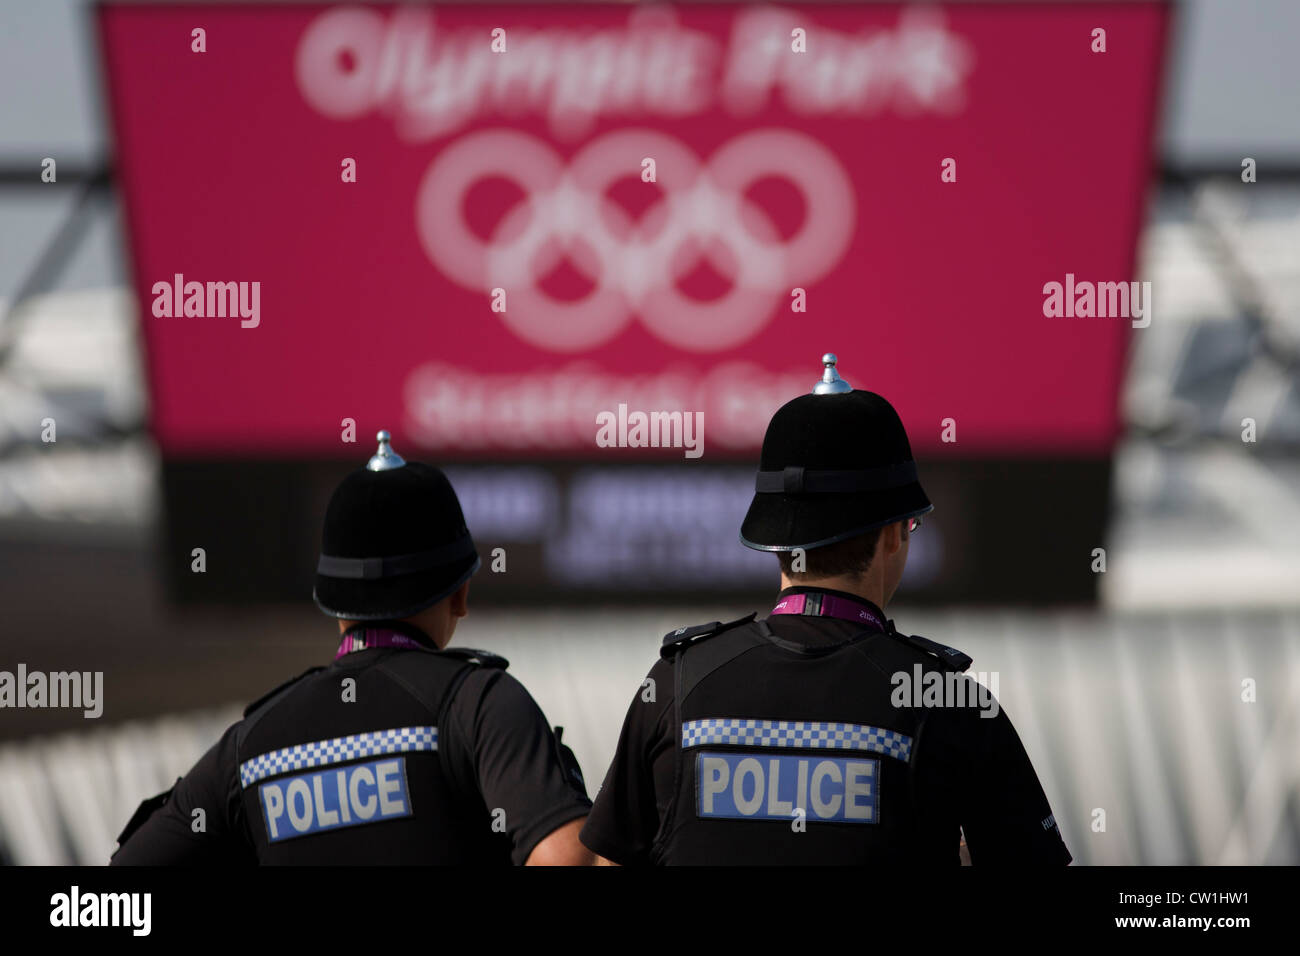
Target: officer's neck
{"x": 866, "y": 586}
{"x": 424, "y": 627}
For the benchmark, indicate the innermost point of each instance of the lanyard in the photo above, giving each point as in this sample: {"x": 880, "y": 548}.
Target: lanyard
{"x": 364, "y": 640}
{"x": 829, "y": 605}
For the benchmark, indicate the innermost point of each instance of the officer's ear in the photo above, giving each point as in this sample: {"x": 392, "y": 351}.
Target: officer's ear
{"x": 460, "y": 601}
{"x": 891, "y": 538}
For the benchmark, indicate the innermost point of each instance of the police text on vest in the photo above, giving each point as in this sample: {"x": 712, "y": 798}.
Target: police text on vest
{"x": 344, "y": 797}
{"x": 772, "y": 787}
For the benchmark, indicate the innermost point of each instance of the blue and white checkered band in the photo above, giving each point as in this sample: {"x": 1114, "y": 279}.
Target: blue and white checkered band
{"x": 322, "y": 753}
{"x": 802, "y": 734}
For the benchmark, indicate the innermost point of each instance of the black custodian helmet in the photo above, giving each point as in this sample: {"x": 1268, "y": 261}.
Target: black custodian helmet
{"x": 394, "y": 541}
{"x": 835, "y": 463}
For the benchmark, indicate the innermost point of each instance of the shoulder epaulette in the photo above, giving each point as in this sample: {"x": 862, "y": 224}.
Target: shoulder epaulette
{"x": 482, "y": 658}
{"x": 275, "y": 690}
{"x": 948, "y": 656}
{"x": 143, "y": 812}
{"x": 676, "y": 640}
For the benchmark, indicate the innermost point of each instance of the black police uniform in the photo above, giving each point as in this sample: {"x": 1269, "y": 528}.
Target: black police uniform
{"x": 809, "y": 699}
{"x": 782, "y": 740}
{"x": 396, "y": 752}
{"x": 442, "y": 759}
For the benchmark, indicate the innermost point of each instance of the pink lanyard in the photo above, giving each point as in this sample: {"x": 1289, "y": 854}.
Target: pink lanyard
{"x": 360, "y": 640}
{"x": 828, "y": 605}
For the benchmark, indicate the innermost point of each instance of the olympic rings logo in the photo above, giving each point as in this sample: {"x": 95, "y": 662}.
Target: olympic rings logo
{"x": 634, "y": 266}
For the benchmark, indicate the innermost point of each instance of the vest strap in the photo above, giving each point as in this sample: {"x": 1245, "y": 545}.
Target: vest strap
{"x": 949, "y": 657}
{"x": 674, "y": 641}
{"x": 475, "y": 656}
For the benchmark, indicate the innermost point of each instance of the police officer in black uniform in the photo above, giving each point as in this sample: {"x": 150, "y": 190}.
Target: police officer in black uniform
{"x": 402, "y": 750}
{"x": 789, "y": 740}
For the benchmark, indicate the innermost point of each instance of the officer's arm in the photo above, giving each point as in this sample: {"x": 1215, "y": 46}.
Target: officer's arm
{"x": 561, "y": 847}
{"x": 1007, "y": 819}
{"x": 521, "y": 771}
{"x": 197, "y": 824}
{"x": 623, "y": 823}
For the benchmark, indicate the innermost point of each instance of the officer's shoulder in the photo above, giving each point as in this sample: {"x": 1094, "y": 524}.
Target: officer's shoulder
{"x": 932, "y": 651}
{"x": 475, "y": 656}
{"x": 279, "y": 689}
{"x": 675, "y": 641}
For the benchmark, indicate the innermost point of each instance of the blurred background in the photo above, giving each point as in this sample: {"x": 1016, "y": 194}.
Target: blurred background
{"x": 1071, "y": 434}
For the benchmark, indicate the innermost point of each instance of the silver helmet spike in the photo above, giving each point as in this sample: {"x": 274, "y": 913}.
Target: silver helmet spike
{"x": 831, "y": 383}
{"x": 385, "y": 459}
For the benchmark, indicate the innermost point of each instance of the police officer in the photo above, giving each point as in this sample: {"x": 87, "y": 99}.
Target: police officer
{"x": 801, "y": 738}
{"x": 402, "y": 750}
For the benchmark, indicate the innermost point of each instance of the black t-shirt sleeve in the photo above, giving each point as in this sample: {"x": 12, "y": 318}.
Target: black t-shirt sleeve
{"x": 171, "y": 835}
{"x": 625, "y": 818}
{"x": 1001, "y": 805}
{"x": 516, "y": 759}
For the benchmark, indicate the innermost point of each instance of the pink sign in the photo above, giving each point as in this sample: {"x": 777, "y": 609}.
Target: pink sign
{"x": 481, "y": 226}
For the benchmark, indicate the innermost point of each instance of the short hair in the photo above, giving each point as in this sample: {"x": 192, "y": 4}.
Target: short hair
{"x": 850, "y": 556}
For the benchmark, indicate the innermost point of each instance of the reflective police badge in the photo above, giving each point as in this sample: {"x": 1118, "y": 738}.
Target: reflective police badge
{"x": 830, "y": 789}
{"x": 330, "y": 799}
{"x": 842, "y": 787}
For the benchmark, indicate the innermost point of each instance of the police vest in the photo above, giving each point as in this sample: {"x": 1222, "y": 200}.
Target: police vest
{"x": 327, "y": 780}
{"x": 793, "y": 754}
